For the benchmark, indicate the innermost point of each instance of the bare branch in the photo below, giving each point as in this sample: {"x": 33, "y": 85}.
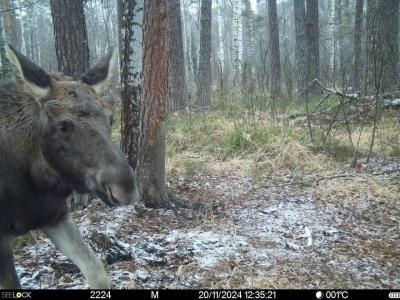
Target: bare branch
{"x": 20, "y": 7}
{"x": 334, "y": 92}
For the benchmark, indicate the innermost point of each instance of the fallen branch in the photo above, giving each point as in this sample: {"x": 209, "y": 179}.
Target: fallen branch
{"x": 335, "y": 92}
{"x": 333, "y": 177}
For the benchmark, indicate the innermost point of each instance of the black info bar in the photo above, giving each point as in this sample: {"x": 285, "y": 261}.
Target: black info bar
{"x": 199, "y": 294}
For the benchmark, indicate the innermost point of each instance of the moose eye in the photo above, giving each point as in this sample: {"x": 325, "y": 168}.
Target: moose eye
{"x": 111, "y": 120}
{"x": 65, "y": 126}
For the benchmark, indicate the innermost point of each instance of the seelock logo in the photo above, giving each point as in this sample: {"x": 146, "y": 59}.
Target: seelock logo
{"x": 16, "y": 295}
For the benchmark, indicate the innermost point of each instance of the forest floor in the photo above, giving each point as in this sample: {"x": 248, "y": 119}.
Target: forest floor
{"x": 290, "y": 218}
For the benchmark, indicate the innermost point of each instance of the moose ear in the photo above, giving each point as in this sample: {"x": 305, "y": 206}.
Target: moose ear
{"x": 100, "y": 74}
{"x": 35, "y": 81}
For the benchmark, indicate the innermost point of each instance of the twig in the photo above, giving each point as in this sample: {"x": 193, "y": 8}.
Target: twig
{"x": 333, "y": 177}
{"x": 308, "y": 120}
{"x": 20, "y": 7}
{"x": 333, "y": 121}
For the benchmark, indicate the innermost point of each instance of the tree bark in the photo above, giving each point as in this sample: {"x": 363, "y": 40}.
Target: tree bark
{"x": 301, "y": 47}
{"x": 275, "y": 53}
{"x": 12, "y": 25}
{"x": 178, "y": 88}
{"x": 248, "y": 39}
{"x": 383, "y": 44}
{"x": 204, "y": 71}
{"x": 392, "y": 75}
{"x": 236, "y": 40}
{"x": 5, "y": 69}
{"x": 358, "y": 25}
{"x": 156, "y": 64}
{"x": 313, "y": 39}
{"x": 130, "y": 15}
{"x": 338, "y": 43}
{"x": 227, "y": 34}
{"x": 71, "y": 40}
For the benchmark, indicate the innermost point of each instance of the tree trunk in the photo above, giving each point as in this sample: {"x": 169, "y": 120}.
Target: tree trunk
{"x": 249, "y": 40}
{"x": 383, "y": 44}
{"x": 5, "y": 68}
{"x": 177, "y": 88}
{"x": 236, "y": 40}
{"x": 70, "y": 36}
{"x": 130, "y": 15}
{"x": 26, "y": 38}
{"x": 48, "y": 59}
{"x": 358, "y": 25}
{"x": 227, "y": 17}
{"x": 275, "y": 53}
{"x": 392, "y": 75}
{"x": 156, "y": 64}
{"x": 338, "y": 43}
{"x": 313, "y": 39}
{"x": 301, "y": 47}
{"x": 204, "y": 71}
{"x": 12, "y": 25}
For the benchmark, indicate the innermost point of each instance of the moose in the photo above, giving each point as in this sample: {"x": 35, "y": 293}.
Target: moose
{"x": 55, "y": 137}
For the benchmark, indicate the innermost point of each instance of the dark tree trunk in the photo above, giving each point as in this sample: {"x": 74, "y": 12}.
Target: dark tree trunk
{"x": 392, "y": 75}
{"x": 301, "y": 47}
{"x": 156, "y": 64}
{"x": 383, "y": 44}
{"x": 177, "y": 88}
{"x": 12, "y": 25}
{"x": 313, "y": 39}
{"x": 70, "y": 36}
{"x": 275, "y": 53}
{"x": 204, "y": 71}
{"x": 130, "y": 12}
{"x": 358, "y": 25}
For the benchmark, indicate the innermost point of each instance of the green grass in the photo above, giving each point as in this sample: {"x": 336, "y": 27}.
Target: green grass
{"x": 23, "y": 240}
{"x": 275, "y": 134}
{"x": 279, "y": 143}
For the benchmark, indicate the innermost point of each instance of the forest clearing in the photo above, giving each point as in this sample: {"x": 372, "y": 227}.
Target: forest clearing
{"x": 182, "y": 144}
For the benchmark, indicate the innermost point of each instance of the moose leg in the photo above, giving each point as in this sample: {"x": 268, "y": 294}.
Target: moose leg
{"x": 67, "y": 238}
{"x": 8, "y": 275}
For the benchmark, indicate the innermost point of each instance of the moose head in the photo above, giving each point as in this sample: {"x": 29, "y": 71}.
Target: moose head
{"x": 74, "y": 125}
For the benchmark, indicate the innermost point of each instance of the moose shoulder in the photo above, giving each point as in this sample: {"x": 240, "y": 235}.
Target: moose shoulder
{"x": 55, "y": 137}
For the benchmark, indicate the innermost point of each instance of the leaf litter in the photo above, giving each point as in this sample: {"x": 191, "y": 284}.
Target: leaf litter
{"x": 244, "y": 235}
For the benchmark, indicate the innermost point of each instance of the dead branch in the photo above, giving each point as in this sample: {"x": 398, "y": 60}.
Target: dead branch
{"x": 334, "y": 92}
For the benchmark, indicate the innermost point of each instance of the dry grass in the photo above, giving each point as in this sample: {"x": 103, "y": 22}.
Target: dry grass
{"x": 215, "y": 145}
{"x": 353, "y": 188}
{"x": 387, "y": 137}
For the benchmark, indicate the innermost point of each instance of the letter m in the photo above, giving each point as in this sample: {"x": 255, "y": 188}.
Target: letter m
{"x": 154, "y": 295}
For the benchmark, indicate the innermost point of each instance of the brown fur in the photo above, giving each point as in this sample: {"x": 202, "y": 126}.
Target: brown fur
{"x": 40, "y": 164}
{"x": 55, "y": 137}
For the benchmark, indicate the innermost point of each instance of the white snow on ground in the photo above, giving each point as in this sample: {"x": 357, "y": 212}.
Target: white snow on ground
{"x": 255, "y": 237}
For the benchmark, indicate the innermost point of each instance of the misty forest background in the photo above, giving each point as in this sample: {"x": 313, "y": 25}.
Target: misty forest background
{"x": 265, "y": 135}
